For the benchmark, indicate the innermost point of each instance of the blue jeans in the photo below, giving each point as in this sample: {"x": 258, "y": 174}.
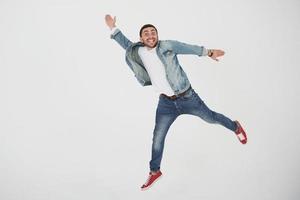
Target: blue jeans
{"x": 168, "y": 110}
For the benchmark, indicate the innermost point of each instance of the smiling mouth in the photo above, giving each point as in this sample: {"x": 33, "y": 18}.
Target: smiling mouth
{"x": 151, "y": 42}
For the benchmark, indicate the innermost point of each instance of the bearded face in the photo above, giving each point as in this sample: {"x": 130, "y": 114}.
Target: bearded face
{"x": 149, "y": 37}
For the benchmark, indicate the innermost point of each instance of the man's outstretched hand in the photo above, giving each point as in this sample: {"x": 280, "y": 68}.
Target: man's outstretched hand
{"x": 216, "y": 53}
{"x": 111, "y": 22}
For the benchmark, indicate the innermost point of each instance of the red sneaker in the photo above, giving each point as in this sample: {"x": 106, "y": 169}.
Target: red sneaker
{"x": 153, "y": 177}
{"x": 240, "y": 133}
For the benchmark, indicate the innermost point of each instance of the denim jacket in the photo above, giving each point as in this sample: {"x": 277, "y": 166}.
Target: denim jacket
{"x": 167, "y": 51}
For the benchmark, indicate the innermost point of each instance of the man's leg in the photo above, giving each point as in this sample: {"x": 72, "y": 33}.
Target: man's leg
{"x": 192, "y": 104}
{"x": 162, "y": 125}
{"x": 166, "y": 114}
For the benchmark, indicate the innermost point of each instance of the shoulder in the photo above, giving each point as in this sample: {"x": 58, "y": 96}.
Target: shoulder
{"x": 167, "y": 44}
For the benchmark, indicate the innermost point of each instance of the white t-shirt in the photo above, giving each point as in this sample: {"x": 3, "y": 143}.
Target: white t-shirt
{"x": 156, "y": 70}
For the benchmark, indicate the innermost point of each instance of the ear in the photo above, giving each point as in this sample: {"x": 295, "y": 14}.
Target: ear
{"x": 141, "y": 40}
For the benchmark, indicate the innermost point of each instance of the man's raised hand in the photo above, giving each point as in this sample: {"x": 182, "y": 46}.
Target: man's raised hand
{"x": 111, "y": 22}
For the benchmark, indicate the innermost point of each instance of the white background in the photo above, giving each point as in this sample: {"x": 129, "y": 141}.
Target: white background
{"x": 75, "y": 123}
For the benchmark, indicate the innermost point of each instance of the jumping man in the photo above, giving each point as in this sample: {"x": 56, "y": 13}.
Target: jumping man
{"x": 154, "y": 62}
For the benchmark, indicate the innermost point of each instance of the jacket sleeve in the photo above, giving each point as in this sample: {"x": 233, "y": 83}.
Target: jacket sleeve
{"x": 123, "y": 41}
{"x": 183, "y": 48}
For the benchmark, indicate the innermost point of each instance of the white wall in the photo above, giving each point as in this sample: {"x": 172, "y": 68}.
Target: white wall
{"x": 75, "y": 124}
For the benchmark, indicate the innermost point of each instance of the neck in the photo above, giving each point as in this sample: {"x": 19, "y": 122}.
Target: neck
{"x": 150, "y": 48}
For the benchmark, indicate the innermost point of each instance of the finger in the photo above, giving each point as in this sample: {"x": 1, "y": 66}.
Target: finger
{"x": 220, "y": 54}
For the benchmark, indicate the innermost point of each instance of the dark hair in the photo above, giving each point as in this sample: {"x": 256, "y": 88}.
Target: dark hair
{"x": 147, "y": 26}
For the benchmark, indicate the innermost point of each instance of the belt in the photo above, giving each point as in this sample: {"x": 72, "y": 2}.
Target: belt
{"x": 173, "y": 97}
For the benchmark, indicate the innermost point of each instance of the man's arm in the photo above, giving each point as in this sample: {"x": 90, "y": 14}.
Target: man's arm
{"x": 116, "y": 33}
{"x": 183, "y": 48}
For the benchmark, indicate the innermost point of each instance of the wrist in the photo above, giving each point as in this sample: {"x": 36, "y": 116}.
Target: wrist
{"x": 113, "y": 30}
{"x": 112, "y": 27}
